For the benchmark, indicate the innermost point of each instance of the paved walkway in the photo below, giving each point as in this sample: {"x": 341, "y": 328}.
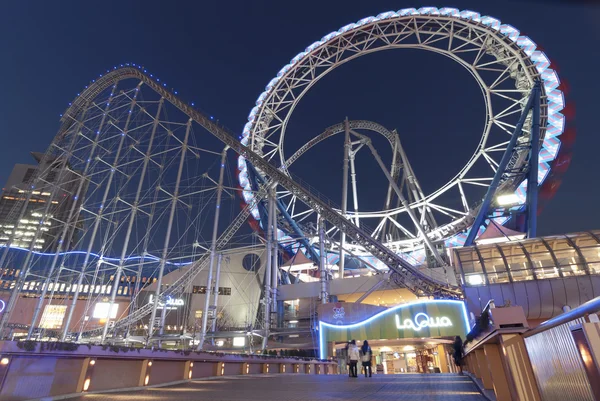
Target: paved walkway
{"x": 409, "y": 387}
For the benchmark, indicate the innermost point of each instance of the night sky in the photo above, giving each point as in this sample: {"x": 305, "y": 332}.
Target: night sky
{"x": 222, "y": 54}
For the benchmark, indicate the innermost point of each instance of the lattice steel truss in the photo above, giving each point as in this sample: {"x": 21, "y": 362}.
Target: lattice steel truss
{"x": 142, "y": 173}
{"x": 504, "y": 64}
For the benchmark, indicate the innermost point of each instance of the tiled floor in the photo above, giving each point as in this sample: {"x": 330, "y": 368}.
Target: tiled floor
{"x": 413, "y": 387}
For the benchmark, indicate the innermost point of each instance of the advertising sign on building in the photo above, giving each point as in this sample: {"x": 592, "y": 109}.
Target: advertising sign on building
{"x": 431, "y": 319}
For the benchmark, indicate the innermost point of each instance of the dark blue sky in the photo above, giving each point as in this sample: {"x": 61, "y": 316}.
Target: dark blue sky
{"x": 222, "y": 54}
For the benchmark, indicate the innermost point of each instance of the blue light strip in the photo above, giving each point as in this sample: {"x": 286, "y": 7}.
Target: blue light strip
{"x": 395, "y": 308}
{"x": 127, "y": 259}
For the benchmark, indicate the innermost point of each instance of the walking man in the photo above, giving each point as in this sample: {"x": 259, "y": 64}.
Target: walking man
{"x": 354, "y": 356}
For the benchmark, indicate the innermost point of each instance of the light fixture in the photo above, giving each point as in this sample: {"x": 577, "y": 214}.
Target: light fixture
{"x": 92, "y": 362}
{"x": 4, "y": 361}
{"x": 293, "y": 321}
{"x": 475, "y": 279}
{"x": 146, "y": 380}
{"x": 86, "y": 384}
{"x": 506, "y": 200}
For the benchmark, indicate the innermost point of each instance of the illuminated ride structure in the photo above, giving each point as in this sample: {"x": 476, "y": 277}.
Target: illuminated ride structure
{"x": 147, "y": 172}
{"x": 417, "y": 226}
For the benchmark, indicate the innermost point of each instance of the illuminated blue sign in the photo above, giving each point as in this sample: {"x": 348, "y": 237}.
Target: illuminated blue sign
{"x": 434, "y": 319}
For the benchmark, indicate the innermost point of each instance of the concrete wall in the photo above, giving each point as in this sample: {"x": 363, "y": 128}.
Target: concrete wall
{"x": 23, "y": 311}
{"x": 38, "y": 374}
{"x": 113, "y": 373}
{"x": 241, "y": 305}
{"x": 33, "y": 377}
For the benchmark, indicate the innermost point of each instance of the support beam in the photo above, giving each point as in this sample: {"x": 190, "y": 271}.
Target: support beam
{"x": 487, "y": 200}
{"x": 215, "y": 304}
{"x": 213, "y": 250}
{"x": 347, "y": 150}
{"x": 532, "y": 176}
{"x": 163, "y": 259}
{"x": 405, "y": 203}
{"x": 269, "y": 268}
{"x": 371, "y": 290}
{"x": 354, "y": 188}
{"x": 274, "y": 255}
{"x": 323, "y": 262}
{"x": 97, "y": 222}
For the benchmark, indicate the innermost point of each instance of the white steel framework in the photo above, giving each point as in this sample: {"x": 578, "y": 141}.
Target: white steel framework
{"x": 504, "y": 64}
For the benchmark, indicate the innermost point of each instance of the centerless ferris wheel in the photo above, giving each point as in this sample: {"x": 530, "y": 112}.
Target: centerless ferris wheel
{"x": 505, "y": 65}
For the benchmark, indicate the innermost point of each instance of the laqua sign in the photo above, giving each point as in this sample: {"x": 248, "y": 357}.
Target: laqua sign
{"x": 421, "y": 321}
{"x": 171, "y": 303}
{"x": 433, "y": 319}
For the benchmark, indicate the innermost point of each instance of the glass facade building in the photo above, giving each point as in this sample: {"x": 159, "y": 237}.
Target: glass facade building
{"x": 559, "y": 256}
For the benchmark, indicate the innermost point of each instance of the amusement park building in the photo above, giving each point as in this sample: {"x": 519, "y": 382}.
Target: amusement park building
{"x": 543, "y": 275}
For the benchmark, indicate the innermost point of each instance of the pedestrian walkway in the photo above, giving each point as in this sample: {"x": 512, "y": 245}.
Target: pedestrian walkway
{"x": 408, "y": 387}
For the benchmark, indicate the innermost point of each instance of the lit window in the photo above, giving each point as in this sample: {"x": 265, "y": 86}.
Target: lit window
{"x": 53, "y": 316}
{"x": 101, "y": 310}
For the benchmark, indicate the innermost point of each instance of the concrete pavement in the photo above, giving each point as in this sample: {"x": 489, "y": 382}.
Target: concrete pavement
{"x": 408, "y": 387}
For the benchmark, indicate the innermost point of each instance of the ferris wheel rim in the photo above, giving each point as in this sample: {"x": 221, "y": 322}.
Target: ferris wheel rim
{"x": 536, "y": 59}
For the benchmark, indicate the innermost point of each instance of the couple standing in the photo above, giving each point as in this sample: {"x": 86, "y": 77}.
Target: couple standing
{"x": 354, "y": 354}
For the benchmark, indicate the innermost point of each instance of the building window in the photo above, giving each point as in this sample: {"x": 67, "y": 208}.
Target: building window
{"x": 53, "y": 316}
{"x": 28, "y": 175}
{"x": 251, "y": 262}
{"x": 198, "y": 314}
{"x": 201, "y": 289}
{"x": 224, "y": 291}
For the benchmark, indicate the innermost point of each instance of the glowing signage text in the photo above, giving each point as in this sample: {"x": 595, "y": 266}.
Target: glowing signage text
{"x": 422, "y": 320}
{"x": 170, "y": 303}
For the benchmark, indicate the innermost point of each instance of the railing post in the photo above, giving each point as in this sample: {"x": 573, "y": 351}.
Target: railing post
{"x": 496, "y": 369}
{"x": 521, "y": 379}
{"x": 484, "y": 371}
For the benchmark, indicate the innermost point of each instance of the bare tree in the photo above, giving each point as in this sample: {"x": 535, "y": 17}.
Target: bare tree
{"x": 224, "y": 321}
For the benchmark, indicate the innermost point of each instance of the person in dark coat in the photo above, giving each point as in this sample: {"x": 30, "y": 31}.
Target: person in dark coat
{"x": 366, "y": 358}
{"x": 458, "y": 353}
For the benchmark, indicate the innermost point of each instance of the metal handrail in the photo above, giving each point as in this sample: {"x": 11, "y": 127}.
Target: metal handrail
{"x": 591, "y": 306}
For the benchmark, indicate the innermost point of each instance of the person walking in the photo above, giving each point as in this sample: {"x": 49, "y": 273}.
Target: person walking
{"x": 354, "y": 356}
{"x": 347, "y": 358}
{"x": 458, "y": 354}
{"x": 366, "y": 358}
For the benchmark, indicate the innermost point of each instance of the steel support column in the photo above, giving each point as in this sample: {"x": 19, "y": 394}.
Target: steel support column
{"x": 216, "y": 290}
{"x": 97, "y": 221}
{"x": 347, "y": 150}
{"x": 213, "y": 250}
{"x": 268, "y": 268}
{"x": 487, "y": 200}
{"x": 405, "y": 203}
{"x": 532, "y": 176}
{"x": 323, "y": 261}
{"x": 165, "y": 251}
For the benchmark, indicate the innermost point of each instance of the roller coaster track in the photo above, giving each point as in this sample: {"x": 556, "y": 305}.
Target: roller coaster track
{"x": 406, "y": 274}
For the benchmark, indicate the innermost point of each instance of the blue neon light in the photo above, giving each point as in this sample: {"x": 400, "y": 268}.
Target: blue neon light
{"x": 385, "y": 312}
{"x": 109, "y": 259}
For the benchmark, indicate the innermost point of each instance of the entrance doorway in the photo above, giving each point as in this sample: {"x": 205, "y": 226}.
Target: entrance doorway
{"x": 403, "y": 356}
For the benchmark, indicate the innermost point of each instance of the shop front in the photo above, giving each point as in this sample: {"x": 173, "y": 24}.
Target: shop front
{"x": 407, "y": 338}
